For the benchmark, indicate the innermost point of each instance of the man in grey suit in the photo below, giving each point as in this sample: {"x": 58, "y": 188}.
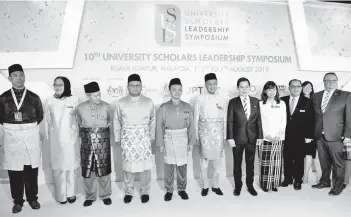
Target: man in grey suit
{"x": 332, "y": 128}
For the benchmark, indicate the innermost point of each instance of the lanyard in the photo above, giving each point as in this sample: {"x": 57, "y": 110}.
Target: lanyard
{"x": 22, "y": 99}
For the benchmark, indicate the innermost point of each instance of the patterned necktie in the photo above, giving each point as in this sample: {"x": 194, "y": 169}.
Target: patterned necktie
{"x": 325, "y": 101}
{"x": 245, "y": 108}
{"x": 292, "y": 105}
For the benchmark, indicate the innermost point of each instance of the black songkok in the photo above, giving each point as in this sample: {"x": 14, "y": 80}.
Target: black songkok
{"x": 91, "y": 87}
{"x": 15, "y": 68}
{"x": 134, "y": 77}
{"x": 174, "y": 81}
{"x": 210, "y": 76}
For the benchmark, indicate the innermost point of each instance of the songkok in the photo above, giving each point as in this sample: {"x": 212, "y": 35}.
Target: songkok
{"x": 174, "y": 81}
{"x": 91, "y": 87}
{"x": 15, "y": 68}
{"x": 210, "y": 76}
{"x": 134, "y": 77}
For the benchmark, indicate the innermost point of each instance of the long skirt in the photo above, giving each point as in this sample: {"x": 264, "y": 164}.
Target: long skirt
{"x": 271, "y": 163}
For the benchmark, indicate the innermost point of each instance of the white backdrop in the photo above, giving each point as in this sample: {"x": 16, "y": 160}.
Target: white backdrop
{"x": 163, "y": 40}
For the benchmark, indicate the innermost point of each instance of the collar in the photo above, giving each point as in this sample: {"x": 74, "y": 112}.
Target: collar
{"x": 296, "y": 98}
{"x": 18, "y": 90}
{"x": 331, "y": 93}
{"x": 247, "y": 97}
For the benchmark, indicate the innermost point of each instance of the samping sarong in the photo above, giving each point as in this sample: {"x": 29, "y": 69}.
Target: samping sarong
{"x": 211, "y": 135}
{"x": 176, "y": 147}
{"x": 136, "y": 148}
{"x": 20, "y": 140}
{"x": 95, "y": 151}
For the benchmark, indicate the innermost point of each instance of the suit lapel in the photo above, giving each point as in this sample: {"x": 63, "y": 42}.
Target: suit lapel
{"x": 251, "y": 108}
{"x": 332, "y": 100}
{"x": 241, "y": 106}
{"x": 298, "y": 105}
{"x": 288, "y": 106}
{"x": 319, "y": 98}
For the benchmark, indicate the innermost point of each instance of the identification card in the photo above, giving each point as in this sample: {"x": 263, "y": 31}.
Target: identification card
{"x": 18, "y": 116}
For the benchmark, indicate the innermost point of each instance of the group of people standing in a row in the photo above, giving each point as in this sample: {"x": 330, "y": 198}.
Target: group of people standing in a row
{"x": 284, "y": 130}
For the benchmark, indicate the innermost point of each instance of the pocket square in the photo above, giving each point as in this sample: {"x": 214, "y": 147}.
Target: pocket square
{"x": 302, "y": 111}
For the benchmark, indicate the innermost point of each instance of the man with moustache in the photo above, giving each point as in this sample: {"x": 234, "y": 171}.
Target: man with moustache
{"x": 175, "y": 135}
{"x": 332, "y": 108}
{"x": 299, "y": 128}
{"x": 94, "y": 121}
{"x": 134, "y": 128}
{"x": 244, "y": 130}
{"x": 210, "y": 123}
{"x": 21, "y": 112}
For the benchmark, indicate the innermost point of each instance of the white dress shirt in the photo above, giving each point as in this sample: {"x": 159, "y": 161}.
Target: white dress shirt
{"x": 273, "y": 119}
{"x": 248, "y": 105}
{"x": 295, "y": 103}
{"x": 324, "y": 93}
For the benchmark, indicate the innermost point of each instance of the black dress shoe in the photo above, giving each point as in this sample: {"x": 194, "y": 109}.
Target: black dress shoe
{"x": 252, "y": 191}
{"x": 183, "y": 195}
{"x": 88, "y": 202}
{"x": 320, "y": 186}
{"x": 204, "y": 192}
{"x": 286, "y": 183}
{"x": 237, "y": 191}
{"x": 297, "y": 186}
{"x": 168, "y": 196}
{"x": 107, "y": 201}
{"x": 34, "y": 204}
{"x": 71, "y": 199}
{"x": 17, "y": 208}
{"x": 218, "y": 191}
{"x": 275, "y": 189}
{"x": 127, "y": 198}
{"x": 265, "y": 189}
{"x": 145, "y": 198}
{"x": 64, "y": 202}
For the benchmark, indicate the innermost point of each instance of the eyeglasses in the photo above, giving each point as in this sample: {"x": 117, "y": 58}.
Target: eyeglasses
{"x": 58, "y": 85}
{"x": 135, "y": 86}
{"x": 331, "y": 81}
{"x": 296, "y": 87}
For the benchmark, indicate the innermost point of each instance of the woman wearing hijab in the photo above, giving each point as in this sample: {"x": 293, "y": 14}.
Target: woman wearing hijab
{"x": 63, "y": 134}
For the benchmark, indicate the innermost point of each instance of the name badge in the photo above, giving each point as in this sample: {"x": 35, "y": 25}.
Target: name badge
{"x": 302, "y": 110}
{"x": 18, "y": 116}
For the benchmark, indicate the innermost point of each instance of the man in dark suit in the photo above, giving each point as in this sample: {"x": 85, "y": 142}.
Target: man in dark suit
{"x": 244, "y": 130}
{"x": 332, "y": 108}
{"x": 299, "y": 127}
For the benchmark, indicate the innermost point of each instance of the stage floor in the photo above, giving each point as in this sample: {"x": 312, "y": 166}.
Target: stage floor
{"x": 284, "y": 203}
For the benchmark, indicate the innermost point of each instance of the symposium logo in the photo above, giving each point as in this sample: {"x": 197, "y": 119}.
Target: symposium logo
{"x": 167, "y": 25}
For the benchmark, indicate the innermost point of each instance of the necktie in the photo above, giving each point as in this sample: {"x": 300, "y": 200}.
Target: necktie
{"x": 292, "y": 105}
{"x": 245, "y": 108}
{"x": 325, "y": 101}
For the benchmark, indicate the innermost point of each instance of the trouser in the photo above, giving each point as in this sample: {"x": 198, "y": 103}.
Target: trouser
{"x": 145, "y": 182}
{"x": 347, "y": 172}
{"x": 293, "y": 162}
{"x": 64, "y": 183}
{"x": 204, "y": 172}
{"x": 249, "y": 160}
{"x": 26, "y": 179}
{"x": 331, "y": 159}
{"x": 181, "y": 177}
{"x": 91, "y": 186}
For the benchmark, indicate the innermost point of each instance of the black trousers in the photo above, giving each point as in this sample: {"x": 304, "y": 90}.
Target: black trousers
{"x": 26, "y": 179}
{"x": 294, "y": 155}
{"x": 238, "y": 151}
{"x": 331, "y": 159}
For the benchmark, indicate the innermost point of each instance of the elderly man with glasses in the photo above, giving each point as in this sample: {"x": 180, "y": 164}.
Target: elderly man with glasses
{"x": 332, "y": 130}
{"x": 299, "y": 129}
